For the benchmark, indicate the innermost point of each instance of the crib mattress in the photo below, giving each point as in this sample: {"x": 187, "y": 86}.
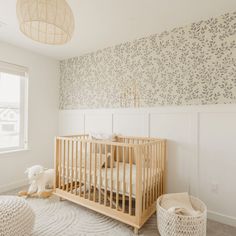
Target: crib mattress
{"x": 105, "y": 182}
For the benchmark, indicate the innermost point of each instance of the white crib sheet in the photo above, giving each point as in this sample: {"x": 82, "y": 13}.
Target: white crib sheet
{"x": 115, "y": 177}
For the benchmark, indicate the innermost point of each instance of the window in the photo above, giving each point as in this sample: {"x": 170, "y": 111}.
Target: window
{"x": 13, "y": 107}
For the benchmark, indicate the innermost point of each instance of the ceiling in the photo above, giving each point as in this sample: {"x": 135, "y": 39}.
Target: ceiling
{"x": 103, "y": 23}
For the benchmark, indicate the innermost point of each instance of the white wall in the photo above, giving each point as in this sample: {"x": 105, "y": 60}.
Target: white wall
{"x": 201, "y": 146}
{"x": 43, "y": 115}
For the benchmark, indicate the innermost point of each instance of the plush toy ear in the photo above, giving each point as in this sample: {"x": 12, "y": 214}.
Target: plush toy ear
{"x": 26, "y": 171}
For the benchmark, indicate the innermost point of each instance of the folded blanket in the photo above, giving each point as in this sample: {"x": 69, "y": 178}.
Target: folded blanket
{"x": 103, "y": 136}
{"x": 179, "y": 203}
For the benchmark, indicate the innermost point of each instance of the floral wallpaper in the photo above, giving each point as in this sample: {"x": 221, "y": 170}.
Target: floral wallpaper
{"x": 190, "y": 65}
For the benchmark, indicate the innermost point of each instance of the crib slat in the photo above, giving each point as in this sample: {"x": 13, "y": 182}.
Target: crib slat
{"x": 156, "y": 173}
{"x": 139, "y": 181}
{"x": 111, "y": 163}
{"x": 90, "y": 168}
{"x": 123, "y": 197}
{"x": 153, "y": 174}
{"x": 117, "y": 177}
{"x": 95, "y": 172}
{"x": 59, "y": 162}
{"x": 145, "y": 176}
{"x": 150, "y": 176}
{"x": 85, "y": 168}
{"x": 56, "y": 162}
{"x": 148, "y": 166}
{"x": 105, "y": 195}
{"x": 64, "y": 164}
{"x": 80, "y": 169}
{"x": 163, "y": 164}
{"x": 68, "y": 161}
{"x": 158, "y": 179}
{"x": 76, "y": 166}
{"x": 144, "y": 161}
{"x": 72, "y": 166}
{"x": 160, "y": 168}
{"x": 130, "y": 181}
{"x": 100, "y": 172}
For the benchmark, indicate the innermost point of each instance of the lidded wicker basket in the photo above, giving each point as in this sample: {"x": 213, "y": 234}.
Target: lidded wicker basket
{"x": 171, "y": 224}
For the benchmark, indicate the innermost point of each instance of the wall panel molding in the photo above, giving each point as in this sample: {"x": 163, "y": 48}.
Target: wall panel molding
{"x": 187, "y": 139}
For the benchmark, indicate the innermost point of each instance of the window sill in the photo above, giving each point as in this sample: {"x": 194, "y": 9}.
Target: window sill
{"x": 13, "y": 151}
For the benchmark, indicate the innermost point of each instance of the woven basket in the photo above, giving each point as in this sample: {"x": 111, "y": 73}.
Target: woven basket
{"x": 171, "y": 224}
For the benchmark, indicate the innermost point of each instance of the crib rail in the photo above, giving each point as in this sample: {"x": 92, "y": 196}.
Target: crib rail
{"x": 121, "y": 179}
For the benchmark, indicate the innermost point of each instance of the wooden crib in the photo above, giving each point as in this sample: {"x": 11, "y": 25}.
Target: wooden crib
{"x": 120, "y": 179}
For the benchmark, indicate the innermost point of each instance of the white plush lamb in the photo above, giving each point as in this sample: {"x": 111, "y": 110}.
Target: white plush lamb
{"x": 40, "y": 179}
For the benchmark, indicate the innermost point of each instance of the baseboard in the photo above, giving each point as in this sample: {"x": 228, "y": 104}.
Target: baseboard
{"x": 13, "y": 185}
{"x": 228, "y": 220}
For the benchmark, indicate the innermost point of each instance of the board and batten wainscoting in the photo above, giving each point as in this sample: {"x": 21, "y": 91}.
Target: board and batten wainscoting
{"x": 201, "y": 147}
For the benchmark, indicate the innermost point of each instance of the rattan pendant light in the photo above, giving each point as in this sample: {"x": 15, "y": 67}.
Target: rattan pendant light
{"x": 46, "y": 21}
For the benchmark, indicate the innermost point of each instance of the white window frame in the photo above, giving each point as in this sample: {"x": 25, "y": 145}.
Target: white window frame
{"x": 21, "y": 71}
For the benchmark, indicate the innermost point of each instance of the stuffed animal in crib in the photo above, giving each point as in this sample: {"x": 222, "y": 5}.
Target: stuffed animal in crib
{"x": 41, "y": 180}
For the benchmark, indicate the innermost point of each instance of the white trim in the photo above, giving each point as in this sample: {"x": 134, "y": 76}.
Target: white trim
{"x": 13, "y": 185}
{"x": 23, "y": 109}
{"x": 25, "y": 101}
{"x": 224, "y": 219}
{"x": 13, "y": 69}
{"x": 219, "y": 108}
{"x": 14, "y": 150}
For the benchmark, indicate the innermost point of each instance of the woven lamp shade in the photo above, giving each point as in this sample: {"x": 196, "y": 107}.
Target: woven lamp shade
{"x": 46, "y": 21}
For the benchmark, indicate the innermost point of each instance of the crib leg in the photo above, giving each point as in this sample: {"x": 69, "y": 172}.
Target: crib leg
{"x": 135, "y": 230}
